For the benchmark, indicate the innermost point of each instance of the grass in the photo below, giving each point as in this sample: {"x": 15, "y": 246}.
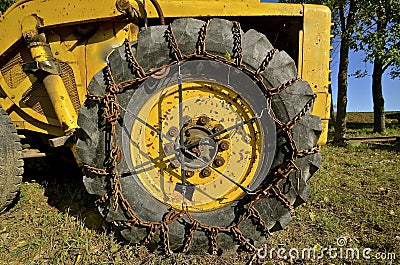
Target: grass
{"x": 355, "y": 195}
{"x": 361, "y": 124}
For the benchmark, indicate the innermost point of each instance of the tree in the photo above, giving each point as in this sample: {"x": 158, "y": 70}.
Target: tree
{"x": 379, "y": 38}
{"x": 348, "y": 21}
{"x": 345, "y": 14}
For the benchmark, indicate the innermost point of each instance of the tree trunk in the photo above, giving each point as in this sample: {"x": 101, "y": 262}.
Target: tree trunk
{"x": 379, "y": 69}
{"x": 377, "y": 96}
{"x": 347, "y": 27}
{"x": 340, "y": 122}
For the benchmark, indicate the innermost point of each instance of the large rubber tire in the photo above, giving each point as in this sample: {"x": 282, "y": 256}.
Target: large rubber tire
{"x": 151, "y": 51}
{"x": 11, "y": 163}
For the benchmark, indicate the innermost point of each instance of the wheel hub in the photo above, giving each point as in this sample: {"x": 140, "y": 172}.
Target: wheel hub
{"x": 223, "y": 145}
{"x": 200, "y": 147}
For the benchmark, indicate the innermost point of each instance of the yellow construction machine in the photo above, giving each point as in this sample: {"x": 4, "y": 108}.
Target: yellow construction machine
{"x": 197, "y": 123}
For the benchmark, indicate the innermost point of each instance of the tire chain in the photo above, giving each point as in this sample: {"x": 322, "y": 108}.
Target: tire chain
{"x": 112, "y": 114}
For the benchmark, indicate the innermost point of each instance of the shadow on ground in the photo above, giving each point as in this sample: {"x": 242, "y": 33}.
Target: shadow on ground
{"x": 61, "y": 179}
{"x": 369, "y": 126}
{"x": 392, "y": 147}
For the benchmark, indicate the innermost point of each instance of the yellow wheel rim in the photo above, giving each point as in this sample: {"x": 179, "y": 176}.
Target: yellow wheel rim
{"x": 235, "y": 153}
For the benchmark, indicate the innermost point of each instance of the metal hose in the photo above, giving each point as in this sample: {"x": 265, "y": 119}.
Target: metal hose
{"x": 159, "y": 11}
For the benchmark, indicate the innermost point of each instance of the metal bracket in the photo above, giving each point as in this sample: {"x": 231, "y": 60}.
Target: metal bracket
{"x": 51, "y": 67}
{"x": 124, "y": 6}
{"x": 67, "y": 139}
{"x": 59, "y": 141}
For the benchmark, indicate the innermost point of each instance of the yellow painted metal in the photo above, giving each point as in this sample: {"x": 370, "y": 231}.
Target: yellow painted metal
{"x": 56, "y": 13}
{"x": 23, "y": 121}
{"x": 85, "y": 53}
{"x": 300, "y": 59}
{"x": 322, "y": 104}
{"x": 108, "y": 37}
{"x": 61, "y": 102}
{"x": 41, "y": 53}
{"x": 322, "y": 109}
{"x": 315, "y": 65}
{"x": 324, "y": 135}
{"x": 75, "y": 58}
{"x": 29, "y": 28}
{"x": 317, "y": 19}
{"x": 225, "y": 8}
{"x": 24, "y": 117}
{"x": 84, "y": 56}
{"x": 241, "y": 159}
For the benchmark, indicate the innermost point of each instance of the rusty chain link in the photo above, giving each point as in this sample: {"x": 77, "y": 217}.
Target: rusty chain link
{"x": 237, "y": 44}
{"x": 263, "y": 66}
{"x": 132, "y": 62}
{"x": 278, "y": 193}
{"x": 111, "y": 114}
{"x": 276, "y": 91}
{"x": 238, "y": 235}
{"x": 176, "y": 54}
{"x": 151, "y": 232}
{"x": 212, "y": 234}
{"x": 255, "y": 215}
{"x": 302, "y": 113}
{"x": 201, "y": 41}
{"x": 189, "y": 236}
{"x": 165, "y": 238}
{"x": 304, "y": 153}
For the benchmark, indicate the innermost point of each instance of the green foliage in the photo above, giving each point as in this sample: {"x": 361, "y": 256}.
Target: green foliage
{"x": 4, "y": 4}
{"x": 379, "y": 33}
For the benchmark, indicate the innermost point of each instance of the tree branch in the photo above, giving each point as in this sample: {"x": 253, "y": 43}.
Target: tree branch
{"x": 386, "y": 66}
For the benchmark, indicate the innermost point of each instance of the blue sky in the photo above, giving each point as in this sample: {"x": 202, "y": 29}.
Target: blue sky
{"x": 359, "y": 91}
{"x": 359, "y": 96}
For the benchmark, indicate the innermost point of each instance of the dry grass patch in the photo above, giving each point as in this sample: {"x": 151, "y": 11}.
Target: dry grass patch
{"x": 355, "y": 195}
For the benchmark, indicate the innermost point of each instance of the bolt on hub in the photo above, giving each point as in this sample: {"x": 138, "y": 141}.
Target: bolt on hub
{"x": 223, "y": 145}
{"x": 206, "y": 172}
{"x": 219, "y": 161}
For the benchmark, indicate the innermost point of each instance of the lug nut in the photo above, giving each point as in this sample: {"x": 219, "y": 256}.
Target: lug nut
{"x": 218, "y": 128}
{"x": 168, "y": 148}
{"x": 186, "y": 120}
{"x": 219, "y": 161}
{"x": 175, "y": 163}
{"x": 203, "y": 120}
{"x": 173, "y": 131}
{"x": 223, "y": 145}
{"x": 189, "y": 173}
{"x": 206, "y": 172}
